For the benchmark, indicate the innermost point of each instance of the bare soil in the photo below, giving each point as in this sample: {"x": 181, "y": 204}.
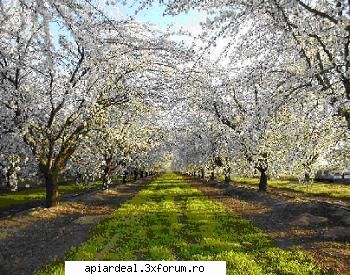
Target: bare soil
{"x": 33, "y": 238}
{"x": 319, "y": 228}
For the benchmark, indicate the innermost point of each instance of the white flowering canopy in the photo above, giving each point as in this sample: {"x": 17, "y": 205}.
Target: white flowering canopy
{"x": 84, "y": 90}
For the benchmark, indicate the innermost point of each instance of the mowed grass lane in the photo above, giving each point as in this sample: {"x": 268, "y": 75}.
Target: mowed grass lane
{"x": 170, "y": 220}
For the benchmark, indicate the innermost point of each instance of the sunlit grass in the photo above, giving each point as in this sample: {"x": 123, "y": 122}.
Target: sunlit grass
{"x": 38, "y": 193}
{"x": 170, "y": 220}
{"x": 338, "y": 191}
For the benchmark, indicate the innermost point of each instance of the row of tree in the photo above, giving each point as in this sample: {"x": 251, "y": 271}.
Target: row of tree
{"x": 88, "y": 96}
{"x": 79, "y": 92}
{"x": 278, "y": 102}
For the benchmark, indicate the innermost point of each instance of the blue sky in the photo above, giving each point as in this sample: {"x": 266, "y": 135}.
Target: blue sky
{"x": 154, "y": 15}
{"x": 189, "y": 21}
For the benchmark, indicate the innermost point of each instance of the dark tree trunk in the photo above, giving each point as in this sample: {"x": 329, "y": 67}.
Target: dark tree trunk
{"x": 141, "y": 174}
{"x": 135, "y": 175}
{"x": 263, "y": 180}
{"x": 106, "y": 179}
{"x": 146, "y": 174}
{"x": 202, "y": 173}
{"x": 212, "y": 176}
{"x": 105, "y": 182}
{"x": 50, "y": 175}
{"x": 227, "y": 175}
{"x": 7, "y": 179}
{"x": 51, "y": 180}
{"x": 307, "y": 177}
{"x": 124, "y": 177}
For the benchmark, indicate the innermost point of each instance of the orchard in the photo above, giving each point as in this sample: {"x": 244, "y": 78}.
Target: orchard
{"x": 220, "y": 127}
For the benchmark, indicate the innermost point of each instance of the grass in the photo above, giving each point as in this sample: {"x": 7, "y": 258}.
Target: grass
{"x": 337, "y": 191}
{"x": 38, "y": 193}
{"x": 170, "y": 220}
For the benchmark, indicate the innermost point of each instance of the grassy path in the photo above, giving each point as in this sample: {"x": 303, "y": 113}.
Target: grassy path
{"x": 170, "y": 220}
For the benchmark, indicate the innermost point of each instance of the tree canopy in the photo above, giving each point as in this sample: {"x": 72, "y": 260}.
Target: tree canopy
{"x": 85, "y": 94}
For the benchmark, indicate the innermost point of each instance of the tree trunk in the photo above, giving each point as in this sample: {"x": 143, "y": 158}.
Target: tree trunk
{"x": 106, "y": 179}
{"x": 263, "y": 180}
{"x": 307, "y": 177}
{"x": 51, "y": 180}
{"x": 141, "y": 174}
{"x": 212, "y": 176}
{"x": 12, "y": 179}
{"x": 124, "y": 177}
{"x": 202, "y": 173}
{"x": 7, "y": 180}
{"x": 105, "y": 182}
{"x": 135, "y": 175}
{"x": 227, "y": 175}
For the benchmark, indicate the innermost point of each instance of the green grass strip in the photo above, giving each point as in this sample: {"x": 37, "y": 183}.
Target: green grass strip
{"x": 39, "y": 193}
{"x": 330, "y": 190}
{"x": 170, "y": 220}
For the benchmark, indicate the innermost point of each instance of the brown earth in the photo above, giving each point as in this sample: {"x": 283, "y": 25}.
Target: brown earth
{"x": 319, "y": 228}
{"x": 33, "y": 238}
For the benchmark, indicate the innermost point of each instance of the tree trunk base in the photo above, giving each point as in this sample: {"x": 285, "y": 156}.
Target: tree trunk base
{"x": 263, "y": 181}
{"x": 212, "y": 176}
{"x": 51, "y": 193}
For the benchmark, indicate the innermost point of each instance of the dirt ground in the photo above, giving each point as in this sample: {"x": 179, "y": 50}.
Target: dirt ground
{"x": 317, "y": 227}
{"x": 36, "y": 237}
